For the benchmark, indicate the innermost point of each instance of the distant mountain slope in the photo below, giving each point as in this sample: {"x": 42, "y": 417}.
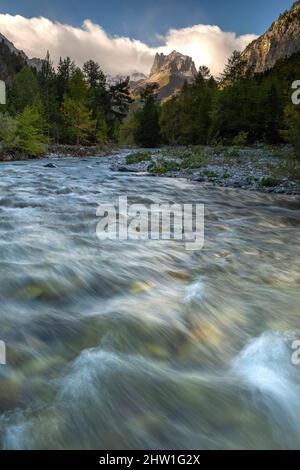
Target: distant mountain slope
{"x": 12, "y": 60}
{"x": 281, "y": 40}
{"x": 134, "y": 77}
{"x": 170, "y": 73}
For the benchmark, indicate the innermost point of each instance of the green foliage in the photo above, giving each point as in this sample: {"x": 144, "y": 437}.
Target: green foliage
{"x": 170, "y": 122}
{"x": 147, "y": 133}
{"x": 78, "y": 120}
{"x": 268, "y": 182}
{"x": 129, "y": 126}
{"x": 234, "y": 70}
{"x": 8, "y": 131}
{"x": 194, "y": 161}
{"x": 240, "y": 139}
{"x": 232, "y": 153}
{"x": 243, "y": 109}
{"x": 96, "y": 99}
{"x": 23, "y": 133}
{"x": 273, "y": 112}
{"x": 24, "y": 90}
{"x": 210, "y": 174}
{"x": 249, "y": 179}
{"x": 29, "y": 137}
{"x": 101, "y": 127}
{"x": 292, "y": 121}
{"x": 80, "y": 127}
{"x": 138, "y": 157}
{"x": 65, "y": 71}
{"x": 162, "y": 166}
{"x": 186, "y": 118}
{"x": 191, "y": 158}
{"x": 48, "y": 98}
{"x": 237, "y": 109}
{"x": 120, "y": 100}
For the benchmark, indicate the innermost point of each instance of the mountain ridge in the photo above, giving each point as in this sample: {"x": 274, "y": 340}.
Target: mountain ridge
{"x": 35, "y": 62}
{"x": 280, "y": 41}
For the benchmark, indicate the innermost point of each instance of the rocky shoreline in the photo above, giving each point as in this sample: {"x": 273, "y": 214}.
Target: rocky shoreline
{"x": 270, "y": 170}
{"x": 59, "y": 150}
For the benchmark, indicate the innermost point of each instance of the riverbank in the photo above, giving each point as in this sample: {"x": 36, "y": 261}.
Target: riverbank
{"x": 57, "y": 150}
{"x": 261, "y": 168}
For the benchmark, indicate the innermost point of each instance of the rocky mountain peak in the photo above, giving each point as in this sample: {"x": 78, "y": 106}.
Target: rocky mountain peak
{"x": 174, "y": 63}
{"x": 12, "y": 48}
{"x": 170, "y": 72}
{"x": 280, "y": 41}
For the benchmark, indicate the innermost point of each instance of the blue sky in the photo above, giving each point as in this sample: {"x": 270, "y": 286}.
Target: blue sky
{"x": 144, "y": 19}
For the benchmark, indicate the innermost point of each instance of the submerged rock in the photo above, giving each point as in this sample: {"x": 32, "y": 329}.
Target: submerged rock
{"x": 50, "y": 165}
{"x": 179, "y": 275}
{"x": 140, "y": 287}
{"x": 10, "y": 394}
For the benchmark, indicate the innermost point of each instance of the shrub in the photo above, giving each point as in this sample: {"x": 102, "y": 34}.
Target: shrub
{"x": 138, "y": 157}
{"x": 163, "y": 166}
{"x": 268, "y": 182}
{"x": 240, "y": 139}
{"x": 210, "y": 174}
{"x": 29, "y": 135}
{"x": 8, "y": 128}
{"x": 232, "y": 153}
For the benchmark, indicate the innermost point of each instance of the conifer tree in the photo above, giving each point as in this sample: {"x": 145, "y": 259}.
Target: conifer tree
{"x": 148, "y": 129}
{"x": 24, "y": 90}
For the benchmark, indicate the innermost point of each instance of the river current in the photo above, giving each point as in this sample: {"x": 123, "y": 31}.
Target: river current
{"x": 143, "y": 344}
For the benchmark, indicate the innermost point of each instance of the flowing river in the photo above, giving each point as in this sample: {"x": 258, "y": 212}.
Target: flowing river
{"x": 143, "y": 344}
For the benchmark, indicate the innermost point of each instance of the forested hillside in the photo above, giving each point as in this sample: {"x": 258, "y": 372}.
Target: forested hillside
{"x": 66, "y": 106}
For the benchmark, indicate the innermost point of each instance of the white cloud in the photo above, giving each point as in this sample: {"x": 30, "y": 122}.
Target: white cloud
{"x": 208, "y": 45}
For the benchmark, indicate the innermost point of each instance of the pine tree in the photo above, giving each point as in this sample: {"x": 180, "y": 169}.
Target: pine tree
{"x": 272, "y": 113}
{"x": 65, "y": 71}
{"x": 148, "y": 129}
{"x": 97, "y": 98}
{"x": 171, "y": 122}
{"x": 24, "y": 90}
{"x": 234, "y": 70}
{"x": 101, "y": 128}
{"x": 49, "y": 100}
